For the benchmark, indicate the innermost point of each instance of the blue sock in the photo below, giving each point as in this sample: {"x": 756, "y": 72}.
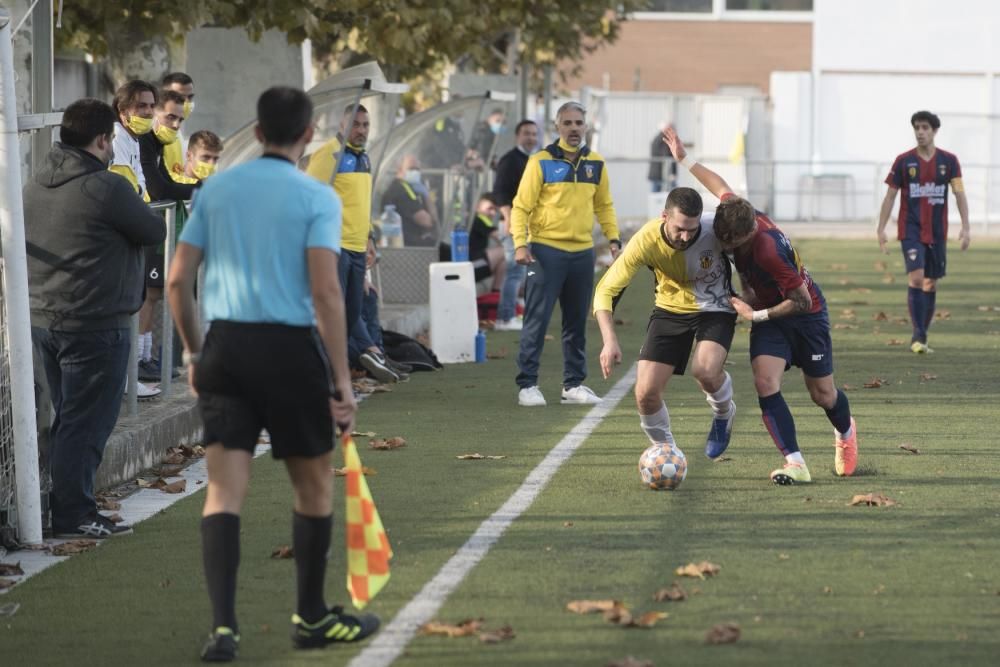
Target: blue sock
{"x": 930, "y": 299}
{"x": 840, "y": 414}
{"x": 918, "y": 313}
{"x": 778, "y": 419}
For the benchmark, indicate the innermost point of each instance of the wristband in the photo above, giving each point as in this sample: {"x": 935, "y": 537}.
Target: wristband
{"x": 688, "y": 163}
{"x": 759, "y": 316}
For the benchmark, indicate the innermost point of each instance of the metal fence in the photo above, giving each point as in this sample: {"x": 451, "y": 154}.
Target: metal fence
{"x": 8, "y": 486}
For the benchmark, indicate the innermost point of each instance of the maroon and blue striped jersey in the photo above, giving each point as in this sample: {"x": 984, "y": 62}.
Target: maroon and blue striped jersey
{"x": 923, "y": 188}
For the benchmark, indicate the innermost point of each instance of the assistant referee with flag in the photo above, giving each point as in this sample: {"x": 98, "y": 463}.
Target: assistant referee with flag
{"x": 275, "y": 357}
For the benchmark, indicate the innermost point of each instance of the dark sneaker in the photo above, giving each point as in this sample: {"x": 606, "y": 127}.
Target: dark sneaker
{"x": 719, "y": 435}
{"x": 221, "y": 645}
{"x": 95, "y": 527}
{"x": 398, "y": 368}
{"x": 374, "y": 363}
{"x": 337, "y": 627}
{"x": 149, "y": 370}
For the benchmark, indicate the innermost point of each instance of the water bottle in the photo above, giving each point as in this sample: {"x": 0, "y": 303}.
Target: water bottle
{"x": 459, "y": 245}
{"x": 392, "y": 227}
{"x": 480, "y": 347}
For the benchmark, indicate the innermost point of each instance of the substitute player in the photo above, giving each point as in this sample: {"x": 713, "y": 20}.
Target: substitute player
{"x": 924, "y": 174}
{"x": 275, "y": 357}
{"x": 693, "y": 283}
{"x": 790, "y": 323}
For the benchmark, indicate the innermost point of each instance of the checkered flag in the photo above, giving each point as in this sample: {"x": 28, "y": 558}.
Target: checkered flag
{"x": 368, "y": 550}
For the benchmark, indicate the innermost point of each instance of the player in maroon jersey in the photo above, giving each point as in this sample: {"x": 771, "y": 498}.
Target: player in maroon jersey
{"x": 924, "y": 174}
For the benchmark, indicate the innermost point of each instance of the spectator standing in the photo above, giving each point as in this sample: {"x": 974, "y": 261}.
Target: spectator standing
{"x": 85, "y": 230}
{"x": 202, "y": 156}
{"x": 183, "y": 85}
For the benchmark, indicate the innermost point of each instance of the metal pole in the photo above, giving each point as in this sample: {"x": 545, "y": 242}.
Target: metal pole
{"x": 41, "y": 79}
{"x": 22, "y": 378}
{"x": 132, "y": 382}
{"x": 167, "y": 332}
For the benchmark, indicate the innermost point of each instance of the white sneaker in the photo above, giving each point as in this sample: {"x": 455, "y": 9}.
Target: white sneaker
{"x": 530, "y": 397}
{"x": 580, "y": 395}
{"x": 508, "y": 325}
{"x": 145, "y": 392}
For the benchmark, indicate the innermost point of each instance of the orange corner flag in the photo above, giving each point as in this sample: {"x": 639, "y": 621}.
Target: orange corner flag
{"x": 368, "y": 550}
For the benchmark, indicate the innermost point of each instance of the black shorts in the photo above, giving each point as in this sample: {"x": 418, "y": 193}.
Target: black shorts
{"x": 154, "y": 267}
{"x": 670, "y": 336}
{"x": 932, "y": 258}
{"x": 255, "y": 376}
{"x": 481, "y": 267}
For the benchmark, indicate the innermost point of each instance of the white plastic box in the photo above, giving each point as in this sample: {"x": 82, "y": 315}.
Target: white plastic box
{"x": 454, "y": 317}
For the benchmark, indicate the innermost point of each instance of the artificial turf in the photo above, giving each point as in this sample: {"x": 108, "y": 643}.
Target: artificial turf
{"x": 809, "y": 579}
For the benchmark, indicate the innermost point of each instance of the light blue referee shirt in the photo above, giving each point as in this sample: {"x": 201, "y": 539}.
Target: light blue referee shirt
{"x": 254, "y": 223}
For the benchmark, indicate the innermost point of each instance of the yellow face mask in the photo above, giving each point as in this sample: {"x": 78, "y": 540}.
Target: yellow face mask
{"x": 166, "y": 135}
{"x": 140, "y": 125}
{"x": 203, "y": 170}
{"x": 188, "y": 108}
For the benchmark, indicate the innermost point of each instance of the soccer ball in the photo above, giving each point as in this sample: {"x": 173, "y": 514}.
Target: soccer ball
{"x": 662, "y": 467}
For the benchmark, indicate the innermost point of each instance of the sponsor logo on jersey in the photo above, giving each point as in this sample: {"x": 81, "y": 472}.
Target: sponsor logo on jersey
{"x": 933, "y": 191}
{"x": 913, "y": 172}
{"x": 942, "y": 169}
{"x": 590, "y": 171}
{"x": 705, "y": 259}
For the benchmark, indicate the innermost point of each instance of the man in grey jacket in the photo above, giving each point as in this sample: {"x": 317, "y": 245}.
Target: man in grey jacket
{"x": 85, "y": 229}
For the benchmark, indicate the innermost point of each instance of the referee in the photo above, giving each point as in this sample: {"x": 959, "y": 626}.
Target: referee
{"x": 275, "y": 358}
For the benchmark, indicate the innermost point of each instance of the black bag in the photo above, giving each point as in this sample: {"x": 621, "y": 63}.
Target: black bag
{"x": 408, "y": 351}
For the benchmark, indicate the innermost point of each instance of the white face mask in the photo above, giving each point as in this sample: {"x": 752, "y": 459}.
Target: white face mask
{"x": 412, "y": 176}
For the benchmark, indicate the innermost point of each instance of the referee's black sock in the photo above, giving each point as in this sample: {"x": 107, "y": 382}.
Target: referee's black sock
{"x": 311, "y": 542}
{"x": 220, "y": 540}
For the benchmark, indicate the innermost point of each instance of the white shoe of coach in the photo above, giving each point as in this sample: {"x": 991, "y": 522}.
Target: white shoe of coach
{"x": 580, "y": 395}
{"x": 530, "y": 397}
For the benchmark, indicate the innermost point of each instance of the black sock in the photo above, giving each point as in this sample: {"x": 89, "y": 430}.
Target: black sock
{"x": 840, "y": 414}
{"x": 311, "y": 542}
{"x": 220, "y": 548}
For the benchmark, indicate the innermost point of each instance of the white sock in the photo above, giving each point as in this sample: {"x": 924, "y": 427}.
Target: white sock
{"x": 657, "y": 426}
{"x": 138, "y": 346}
{"x": 722, "y": 399}
{"x": 147, "y": 346}
{"x": 795, "y": 457}
{"x": 847, "y": 434}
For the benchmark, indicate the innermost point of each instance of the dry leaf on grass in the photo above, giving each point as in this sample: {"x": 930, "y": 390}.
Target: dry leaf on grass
{"x": 567, "y": 524}
{"x": 721, "y": 459}
{"x": 363, "y": 434}
{"x": 629, "y": 661}
{"x": 880, "y": 317}
{"x": 387, "y": 443}
{"x": 881, "y": 266}
{"x": 170, "y": 471}
{"x": 724, "y": 633}
{"x": 848, "y": 313}
{"x": 464, "y": 628}
{"x": 499, "y": 354}
{"x": 874, "y": 383}
{"x": 115, "y": 518}
{"x": 283, "y": 552}
{"x": 909, "y": 448}
{"x": 675, "y": 593}
{"x": 842, "y": 325}
{"x": 942, "y": 315}
{"x": 11, "y": 569}
{"x": 987, "y": 308}
{"x": 72, "y": 547}
{"x": 193, "y": 452}
{"x": 108, "y": 504}
{"x": 888, "y": 279}
{"x": 172, "y": 457}
{"x": 549, "y": 337}
{"x": 506, "y": 633}
{"x": 894, "y": 341}
{"x": 477, "y": 457}
{"x": 173, "y": 487}
{"x": 847, "y": 387}
{"x": 365, "y": 470}
{"x": 591, "y": 606}
{"x": 872, "y": 500}
{"x": 699, "y": 570}
{"x": 927, "y": 377}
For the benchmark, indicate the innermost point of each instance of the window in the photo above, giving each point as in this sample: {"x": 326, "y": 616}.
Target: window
{"x": 770, "y": 5}
{"x": 692, "y": 6}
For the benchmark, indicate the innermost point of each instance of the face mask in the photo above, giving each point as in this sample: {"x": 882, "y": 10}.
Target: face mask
{"x": 203, "y": 170}
{"x": 188, "y": 108}
{"x": 140, "y": 125}
{"x": 412, "y": 176}
{"x": 166, "y": 135}
{"x": 495, "y": 127}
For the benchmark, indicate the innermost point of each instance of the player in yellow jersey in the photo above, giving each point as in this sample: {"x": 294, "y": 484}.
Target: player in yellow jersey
{"x": 693, "y": 286}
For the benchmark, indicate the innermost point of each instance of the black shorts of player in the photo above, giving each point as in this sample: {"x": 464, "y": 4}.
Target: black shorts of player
{"x": 670, "y": 336}
{"x": 931, "y": 257}
{"x": 482, "y": 269}
{"x": 801, "y": 340}
{"x": 154, "y": 267}
{"x": 254, "y": 376}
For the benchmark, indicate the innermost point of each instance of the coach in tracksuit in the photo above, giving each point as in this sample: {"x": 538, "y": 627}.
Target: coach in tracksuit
{"x": 563, "y": 188}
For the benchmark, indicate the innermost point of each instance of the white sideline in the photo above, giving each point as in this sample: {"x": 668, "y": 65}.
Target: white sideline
{"x": 392, "y": 640}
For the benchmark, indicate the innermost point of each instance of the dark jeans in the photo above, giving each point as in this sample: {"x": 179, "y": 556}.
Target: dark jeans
{"x": 367, "y": 331}
{"x": 351, "y": 267}
{"x": 85, "y": 372}
{"x": 566, "y": 277}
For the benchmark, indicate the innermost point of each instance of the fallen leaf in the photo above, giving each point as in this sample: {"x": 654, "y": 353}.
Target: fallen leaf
{"x": 116, "y": 518}
{"x": 842, "y": 325}
{"x": 387, "y": 443}
{"x": 144, "y": 483}
{"x": 673, "y": 594}
{"x": 783, "y": 557}
{"x": 721, "y": 459}
{"x": 839, "y": 267}
{"x": 618, "y": 616}
{"x": 365, "y": 470}
{"x": 827, "y": 590}
{"x": 549, "y": 337}
{"x": 699, "y": 570}
{"x": 872, "y": 500}
{"x": 880, "y": 316}
{"x": 629, "y": 661}
{"x": 283, "y": 552}
{"x": 499, "y": 354}
{"x": 988, "y": 308}
{"x": 173, "y": 457}
{"x": 6, "y": 583}
{"x": 847, "y": 387}
{"x": 881, "y": 266}
{"x": 505, "y": 633}
{"x": 170, "y": 471}
{"x": 888, "y": 279}
{"x": 464, "y": 628}
{"x": 860, "y": 634}
{"x": 72, "y": 547}
{"x": 649, "y": 619}
{"x": 910, "y": 448}
{"x": 567, "y": 524}
{"x": 477, "y": 456}
{"x": 725, "y": 633}
{"x": 11, "y": 569}
{"x": 848, "y": 313}
{"x": 363, "y": 434}
{"x": 591, "y": 606}
{"x": 895, "y": 341}
{"x": 927, "y": 377}
{"x": 108, "y": 504}
{"x": 381, "y": 389}
{"x": 874, "y": 383}
{"x": 942, "y": 315}
{"x": 174, "y": 487}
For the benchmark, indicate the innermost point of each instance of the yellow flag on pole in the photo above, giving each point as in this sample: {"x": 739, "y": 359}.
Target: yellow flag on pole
{"x": 368, "y": 550}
